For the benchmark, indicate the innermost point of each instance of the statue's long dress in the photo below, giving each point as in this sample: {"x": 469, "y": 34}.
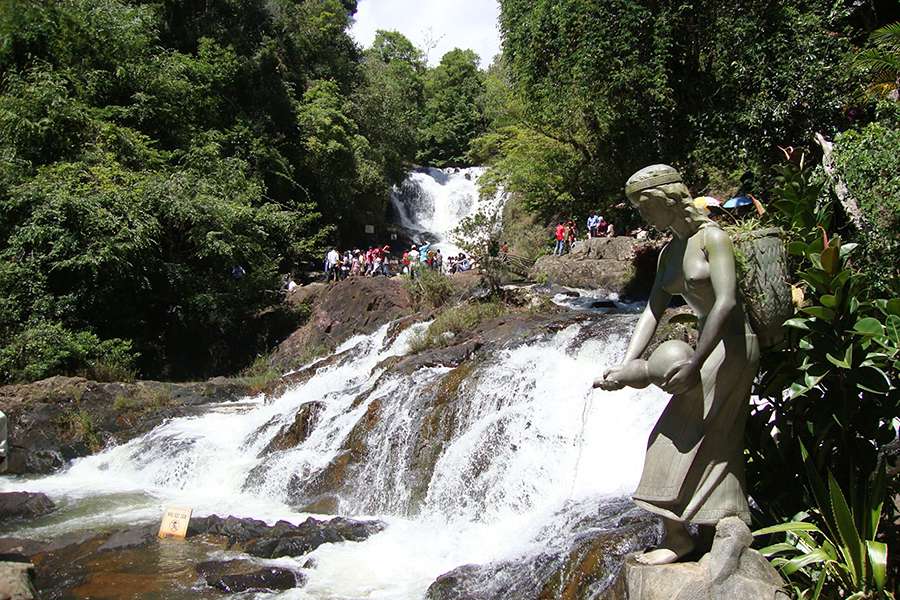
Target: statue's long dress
{"x": 694, "y": 468}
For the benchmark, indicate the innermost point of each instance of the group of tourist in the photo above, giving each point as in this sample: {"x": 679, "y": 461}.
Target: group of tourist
{"x": 566, "y": 232}
{"x": 370, "y": 263}
{"x": 377, "y": 261}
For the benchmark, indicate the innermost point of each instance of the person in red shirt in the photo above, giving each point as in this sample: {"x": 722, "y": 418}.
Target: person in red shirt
{"x": 560, "y": 239}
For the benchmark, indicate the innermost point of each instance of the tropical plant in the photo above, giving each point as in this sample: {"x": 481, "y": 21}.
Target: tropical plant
{"x": 841, "y": 558}
{"x": 882, "y": 62}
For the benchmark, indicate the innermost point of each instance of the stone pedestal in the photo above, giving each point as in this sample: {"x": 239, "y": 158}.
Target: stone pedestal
{"x": 729, "y": 571}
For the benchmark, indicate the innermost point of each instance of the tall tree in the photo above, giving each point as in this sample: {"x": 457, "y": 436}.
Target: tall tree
{"x": 453, "y": 114}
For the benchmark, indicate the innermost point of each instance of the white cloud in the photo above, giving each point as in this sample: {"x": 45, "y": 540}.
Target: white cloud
{"x": 448, "y": 23}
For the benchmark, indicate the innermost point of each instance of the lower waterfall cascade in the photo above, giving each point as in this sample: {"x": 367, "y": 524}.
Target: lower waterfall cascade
{"x": 531, "y": 449}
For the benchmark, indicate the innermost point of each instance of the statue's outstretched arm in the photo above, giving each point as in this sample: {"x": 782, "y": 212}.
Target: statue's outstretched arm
{"x": 646, "y": 325}
{"x": 720, "y": 255}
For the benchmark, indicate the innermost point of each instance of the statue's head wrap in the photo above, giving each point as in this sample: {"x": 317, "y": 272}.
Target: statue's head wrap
{"x": 651, "y": 177}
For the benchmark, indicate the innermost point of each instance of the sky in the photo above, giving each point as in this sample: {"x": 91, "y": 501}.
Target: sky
{"x": 447, "y": 24}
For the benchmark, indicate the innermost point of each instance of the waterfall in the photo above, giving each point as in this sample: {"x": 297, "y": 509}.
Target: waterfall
{"x": 431, "y": 203}
{"x": 494, "y": 462}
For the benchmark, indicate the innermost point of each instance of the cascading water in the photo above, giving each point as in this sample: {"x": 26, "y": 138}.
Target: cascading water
{"x": 521, "y": 449}
{"x": 431, "y": 203}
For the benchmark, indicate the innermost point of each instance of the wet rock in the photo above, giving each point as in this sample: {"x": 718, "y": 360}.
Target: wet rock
{"x": 130, "y": 538}
{"x": 268, "y": 578}
{"x": 241, "y": 575}
{"x": 294, "y": 434}
{"x": 350, "y": 307}
{"x": 55, "y": 420}
{"x": 311, "y": 534}
{"x": 581, "y": 562}
{"x": 731, "y": 569}
{"x": 16, "y": 581}
{"x": 283, "y": 538}
{"x": 24, "y": 505}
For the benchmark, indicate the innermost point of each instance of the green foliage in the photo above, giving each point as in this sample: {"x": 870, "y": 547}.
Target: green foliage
{"x": 454, "y": 321}
{"x": 147, "y": 149}
{"x": 881, "y": 63}
{"x": 452, "y": 115}
{"x": 868, "y": 161}
{"x": 843, "y": 558}
{"x": 828, "y": 405}
{"x": 477, "y": 233}
{"x": 46, "y": 348}
{"x": 429, "y": 288}
{"x": 600, "y": 89}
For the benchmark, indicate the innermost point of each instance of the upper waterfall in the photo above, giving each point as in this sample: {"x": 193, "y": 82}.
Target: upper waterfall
{"x": 431, "y": 202}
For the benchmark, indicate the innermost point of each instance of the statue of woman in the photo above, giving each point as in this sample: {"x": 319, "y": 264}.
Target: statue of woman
{"x": 694, "y": 467}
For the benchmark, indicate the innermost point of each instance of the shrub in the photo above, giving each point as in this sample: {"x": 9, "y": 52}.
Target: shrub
{"x": 48, "y": 348}
{"x": 429, "y": 288}
{"x": 454, "y": 321}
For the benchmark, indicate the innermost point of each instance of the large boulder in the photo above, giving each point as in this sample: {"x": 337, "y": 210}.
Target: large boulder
{"x": 359, "y": 305}
{"x": 61, "y": 418}
{"x": 15, "y": 581}
{"x": 731, "y": 569}
{"x": 24, "y": 505}
{"x": 618, "y": 265}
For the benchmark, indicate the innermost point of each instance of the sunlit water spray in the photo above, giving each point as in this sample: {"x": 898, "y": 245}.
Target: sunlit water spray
{"x": 530, "y": 447}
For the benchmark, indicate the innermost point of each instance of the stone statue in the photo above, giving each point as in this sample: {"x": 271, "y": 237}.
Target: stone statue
{"x": 694, "y": 467}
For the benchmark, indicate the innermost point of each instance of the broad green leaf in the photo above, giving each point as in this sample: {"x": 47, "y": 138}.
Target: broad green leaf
{"x": 820, "y": 312}
{"x": 784, "y": 527}
{"x": 847, "y": 249}
{"x": 851, "y": 546}
{"x": 797, "y": 248}
{"x": 830, "y": 257}
{"x": 828, "y": 300}
{"x": 868, "y": 326}
{"x": 776, "y": 548}
{"x": 877, "y": 552}
{"x": 797, "y": 323}
{"x": 854, "y": 305}
{"x": 892, "y": 329}
{"x": 872, "y": 379}
{"x": 810, "y": 558}
{"x": 845, "y": 362}
{"x": 893, "y": 307}
{"x": 819, "y": 584}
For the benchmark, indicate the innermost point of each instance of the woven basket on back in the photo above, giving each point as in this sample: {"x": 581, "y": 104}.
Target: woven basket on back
{"x": 763, "y": 281}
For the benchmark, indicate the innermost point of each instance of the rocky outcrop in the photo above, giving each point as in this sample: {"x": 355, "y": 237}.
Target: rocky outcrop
{"x": 617, "y": 265}
{"x": 24, "y": 505}
{"x": 350, "y": 307}
{"x": 243, "y": 575}
{"x": 729, "y": 570}
{"x": 585, "y": 567}
{"x": 294, "y": 434}
{"x": 15, "y": 581}
{"x": 256, "y": 538}
{"x": 85, "y": 564}
{"x": 58, "y": 419}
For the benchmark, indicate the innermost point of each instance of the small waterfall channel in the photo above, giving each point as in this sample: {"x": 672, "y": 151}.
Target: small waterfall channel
{"x": 431, "y": 203}
{"x": 500, "y": 464}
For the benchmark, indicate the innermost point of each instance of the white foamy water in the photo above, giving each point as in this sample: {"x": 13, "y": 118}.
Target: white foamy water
{"x": 526, "y": 446}
{"x": 432, "y": 202}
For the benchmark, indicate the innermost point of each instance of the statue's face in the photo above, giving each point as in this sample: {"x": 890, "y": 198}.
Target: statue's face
{"x": 654, "y": 209}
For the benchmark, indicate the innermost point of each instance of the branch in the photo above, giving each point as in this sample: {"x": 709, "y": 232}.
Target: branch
{"x": 840, "y": 186}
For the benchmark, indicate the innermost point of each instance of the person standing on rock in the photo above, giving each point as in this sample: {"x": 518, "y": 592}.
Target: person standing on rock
{"x": 560, "y": 239}
{"x": 4, "y": 443}
{"x": 694, "y": 466}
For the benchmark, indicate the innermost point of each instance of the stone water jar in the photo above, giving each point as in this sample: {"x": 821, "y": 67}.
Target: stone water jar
{"x": 763, "y": 280}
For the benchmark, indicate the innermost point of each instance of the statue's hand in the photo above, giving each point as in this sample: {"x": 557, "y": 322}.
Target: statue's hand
{"x": 608, "y": 381}
{"x": 681, "y": 377}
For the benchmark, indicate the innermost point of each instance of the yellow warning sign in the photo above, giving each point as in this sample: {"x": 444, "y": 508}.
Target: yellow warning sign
{"x": 175, "y": 522}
